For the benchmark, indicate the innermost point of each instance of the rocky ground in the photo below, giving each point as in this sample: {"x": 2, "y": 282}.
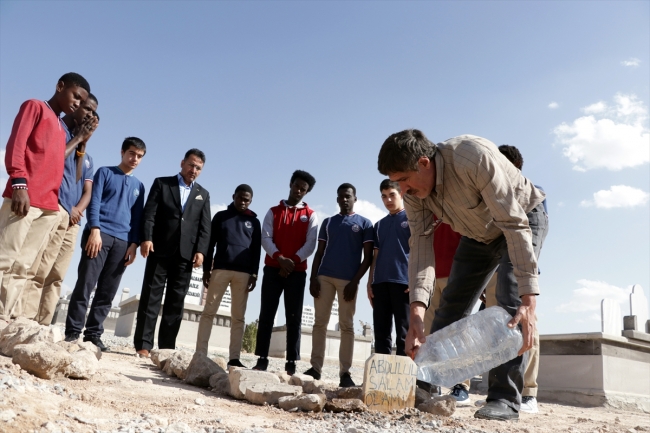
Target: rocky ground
{"x": 129, "y": 394}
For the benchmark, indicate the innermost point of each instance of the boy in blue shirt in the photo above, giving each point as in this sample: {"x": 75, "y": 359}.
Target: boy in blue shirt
{"x": 388, "y": 279}
{"x": 110, "y": 241}
{"x": 336, "y": 271}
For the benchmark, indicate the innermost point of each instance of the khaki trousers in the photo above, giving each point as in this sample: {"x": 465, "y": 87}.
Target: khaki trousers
{"x": 47, "y": 273}
{"x": 329, "y": 288}
{"x": 21, "y": 239}
{"x": 532, "y": 369}
{"x": 220, "y": 279}
{"x": 441, "y": 283}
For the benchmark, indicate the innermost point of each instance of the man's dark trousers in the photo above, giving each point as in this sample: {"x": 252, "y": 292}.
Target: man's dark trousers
{"x": 390, "y": 301}
{"x": 106, "y": 272}
{"x": 293, "y": 287}
{"x": 177, "y": 272}
{"x": 473, "y": 266}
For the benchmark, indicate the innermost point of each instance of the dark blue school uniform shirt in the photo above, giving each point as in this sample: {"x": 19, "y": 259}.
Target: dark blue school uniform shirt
{"x": 344, "y": 236}
{"x": 71, "y": 191}
{"x": 392, "y": 235}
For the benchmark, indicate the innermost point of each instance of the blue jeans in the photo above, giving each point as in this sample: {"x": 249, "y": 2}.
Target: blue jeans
{"x": 473, "y": 266}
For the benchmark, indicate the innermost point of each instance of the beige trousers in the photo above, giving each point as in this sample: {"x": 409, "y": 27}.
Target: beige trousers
{"x": 532, "y": 369}
{"x": 220, "y": 279}
{"x": 21, "y": 239}
{"x": 329, "y": 288}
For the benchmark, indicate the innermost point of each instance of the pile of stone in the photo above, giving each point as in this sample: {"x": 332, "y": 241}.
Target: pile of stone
{"x": 41, "y": 351}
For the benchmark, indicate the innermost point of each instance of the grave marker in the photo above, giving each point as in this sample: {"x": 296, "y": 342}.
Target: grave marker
{"x": 639, "y": 307}
{"x": 611, "y": 317}
{"x": 389, "y": 382}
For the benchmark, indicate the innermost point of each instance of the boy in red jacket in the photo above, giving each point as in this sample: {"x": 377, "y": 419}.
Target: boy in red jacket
{"x": 34, "y": 161}
{"x": 289, "y": 235}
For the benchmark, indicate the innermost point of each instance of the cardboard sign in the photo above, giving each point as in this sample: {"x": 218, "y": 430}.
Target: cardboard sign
{"x": 389, "y": 382}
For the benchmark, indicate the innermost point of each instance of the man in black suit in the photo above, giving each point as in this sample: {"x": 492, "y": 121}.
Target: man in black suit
{"x": 176, "y": 233}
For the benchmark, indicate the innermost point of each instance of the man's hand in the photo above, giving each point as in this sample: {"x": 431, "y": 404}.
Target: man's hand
{"x": 197, "y": 260}
{"x": 20, "y": 202}
{"x": 94, "y": 243}
{"x": 350, "y": 291}
{"x": 251, "y": 283}
{"x": 371, "y": 295}
{"x": 206, "y": 277}
{"x": 526, "y": 316}
{"x": 146, "y": 247}
{"x": 415, "y": 336}
{"x": 75, "y": 215}
{"x": 286, "y": 264}
{"x": 314, "y": 287}
{"x": 86, "y": 129}
{"x": 130, "y": 254}
{"x": 283, "y": 273}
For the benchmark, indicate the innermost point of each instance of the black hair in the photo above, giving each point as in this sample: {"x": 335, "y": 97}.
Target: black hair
{"x": 96, "y": 115}
{"x": 513, "y": 155}
{"x": 402, "y": 150}
{"x": 72, "y": 78}
{"x": 244, "y": 188}
{"x": 196, "y": 152}
{"x": 93, "y": 97}
{"x": 135, "y": 142}
{"x": 347, "y": 186}
{"x": 303, "y": 175}
{"x": 389, "y": 184}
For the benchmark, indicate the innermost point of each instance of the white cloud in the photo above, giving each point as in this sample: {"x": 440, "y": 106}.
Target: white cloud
{"x": 632, "y": 61}
{"x": 553, "y": 105}
{"x": 608, "y": 137}
{"x": 586, "y": 299}
{"x": 369, "y": 210}
{"x": 217, "y": 208}
{"x": 618, "y": 196}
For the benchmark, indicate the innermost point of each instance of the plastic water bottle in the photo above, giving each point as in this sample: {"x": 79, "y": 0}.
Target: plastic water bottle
{"x": 468, "y": 347}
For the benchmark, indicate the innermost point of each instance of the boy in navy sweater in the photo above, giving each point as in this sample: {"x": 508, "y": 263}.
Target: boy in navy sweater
{"x": 110, "y": 241}
{"x": 237, "y": 234}
{"x": 388, "y": 279}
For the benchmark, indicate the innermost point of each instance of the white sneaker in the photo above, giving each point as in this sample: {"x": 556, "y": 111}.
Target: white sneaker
{"x": 480, "y": 403}
{"x": 461, "y": 395}
{"x": 528, "y": 405}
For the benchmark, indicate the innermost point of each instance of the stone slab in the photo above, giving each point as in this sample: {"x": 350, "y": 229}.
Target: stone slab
{"x": 629, "y": 323}
{"x": 270, "y": 393}
{"x": 611, "y": 317}
{"x": 241, "y": 379}
{"x": 639, "y": 307}
{"x": 389, "y": 382}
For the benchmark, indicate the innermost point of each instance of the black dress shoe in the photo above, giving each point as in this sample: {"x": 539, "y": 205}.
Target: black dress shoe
{"x": 97, "y": 342}
{"x": 290, "y": 367}
{"x": 498, "y": 411}
{"x": 236, "y": 363}
{"x": 262, "y": 364}
{"x": 346, "y": 381}
{"x": 72, "y": 338}
{"x": 313, "y": 373}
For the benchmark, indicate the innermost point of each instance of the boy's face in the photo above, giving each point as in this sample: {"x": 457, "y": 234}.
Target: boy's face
{"x": 132, "y": 157}
{"x": 242, "y": 200}
{"x": 346, "y": 200}
{"x": 85, "y": 111}
{"x": 70, "y": 97}
{"x": 298, "y": 190}
{"x": 392, "y": 199}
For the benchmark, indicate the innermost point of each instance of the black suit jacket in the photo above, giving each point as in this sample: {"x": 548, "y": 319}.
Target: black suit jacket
{"x": 169, "y": 227}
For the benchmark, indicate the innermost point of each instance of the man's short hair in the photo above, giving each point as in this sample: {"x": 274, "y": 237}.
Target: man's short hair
{"x": 402, "y": 150}
{"x": 303, "y": 175}
{"x": 389, "y": 184}
{"x": 92, "y": 97}
{"x": 135, "y": 142}
{"x": 244, "y": 188}
{"x": 513, "y": 155}
{"x": 74, "y": 79}
{"x": 347, "y": 186}
{"x": 96, "y": 115}
{"x": 196, "y": 152}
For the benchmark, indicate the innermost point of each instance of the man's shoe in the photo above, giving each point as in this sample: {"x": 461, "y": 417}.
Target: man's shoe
{"x": 262, "y": 364}
{"x": 290, "y": 367}
{"x": 433, "y": 390}
{"x": 528, "y": 404}
{"x": 236, "y": 363}
{"x": 460, "y": 394}
{"x": 97, "y": 342}
{"x": 313, "y": 373}
{"x": 72, "y": 338}
{"x": 497, "y": 411}
{"x": 346, "y": 381}
{"x": 142, "y": 353}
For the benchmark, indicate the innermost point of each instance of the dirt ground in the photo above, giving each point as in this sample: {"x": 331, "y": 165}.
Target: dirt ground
{"x": 127, "y": 387}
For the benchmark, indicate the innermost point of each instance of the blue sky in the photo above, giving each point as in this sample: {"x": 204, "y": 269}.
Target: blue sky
{"x": 265, "y": 88}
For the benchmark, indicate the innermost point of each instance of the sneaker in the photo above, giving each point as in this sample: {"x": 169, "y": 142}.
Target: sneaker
{"x": 97, "y": 342}
{"x": 480, "y": 403}
{"x": 313, "y": 373}
{"x": 346, "y": 381}
{"x": 460, "y": 394}
{"x": 528, "y": 404}
{"x": 236, "y": 363}
{"x": 262, "y": 364}
{"x": 72, "y": 338}
{"x": 290, "y": 367}
{"x": 497, "y": 411}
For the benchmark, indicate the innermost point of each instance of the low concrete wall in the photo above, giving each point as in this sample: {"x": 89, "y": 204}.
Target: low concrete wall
{"x": 277, "y": 349}
{"x": 596, "y": 369}
{"x": 61, "y": 312}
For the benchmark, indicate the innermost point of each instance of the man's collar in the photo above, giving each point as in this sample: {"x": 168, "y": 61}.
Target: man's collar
{"x": 181, "y": 181}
